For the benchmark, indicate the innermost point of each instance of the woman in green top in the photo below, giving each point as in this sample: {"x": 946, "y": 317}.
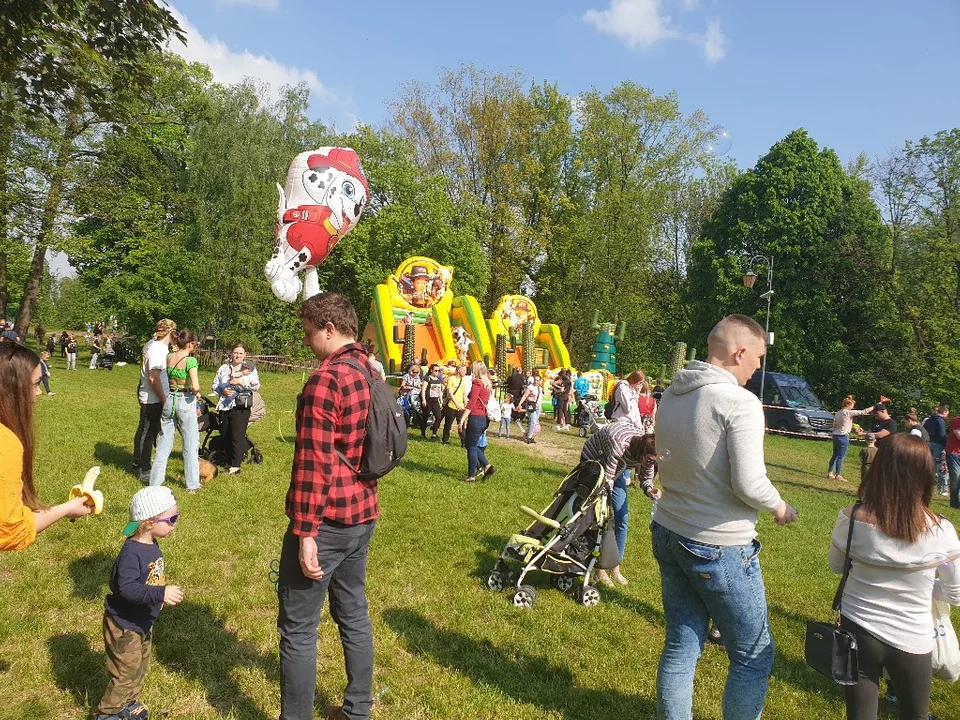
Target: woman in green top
{"x": 180, "y": 410}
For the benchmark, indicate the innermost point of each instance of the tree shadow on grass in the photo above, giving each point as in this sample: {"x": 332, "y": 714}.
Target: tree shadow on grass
{"x": 191, "y": 639}
{"x": 528, "y": 679}
{"x": 113, "y": 455}
{"x": 91, "y": 575}
{"x": 77, "y": 668}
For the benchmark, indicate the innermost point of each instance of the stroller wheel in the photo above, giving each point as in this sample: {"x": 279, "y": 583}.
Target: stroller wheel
{"x": 496, "y": 581}
{"x": 256, "y": 457}
{"x": 582, "y": 431}
{"x": 589, "y": 596}
{"x": 563, "y": 582}
{"x": 525, "y": 597}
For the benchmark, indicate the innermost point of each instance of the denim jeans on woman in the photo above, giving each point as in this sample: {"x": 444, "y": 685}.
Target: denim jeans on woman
{"x": 184, "y": 416}
{"x": 840, "y": 445}
{"x": 476, "y": 458}
{"x": 936, "y": 449}
{"x": 953, "y": 465}
{"x": 700, "y": 582}
{"x": 618, "y": 502}
{"x": 533, "y": 417}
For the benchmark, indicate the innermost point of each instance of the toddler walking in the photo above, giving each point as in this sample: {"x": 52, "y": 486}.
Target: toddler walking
{"x": 45, "y": 372}
{"x": 137, "y": 592}
{"x": 506, "y": 414}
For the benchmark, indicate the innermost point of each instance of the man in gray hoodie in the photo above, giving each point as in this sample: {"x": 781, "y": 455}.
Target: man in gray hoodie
{"x": 710, "y": 438}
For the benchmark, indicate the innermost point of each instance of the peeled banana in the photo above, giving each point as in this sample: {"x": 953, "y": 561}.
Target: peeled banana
{"x": 85, "y": 489}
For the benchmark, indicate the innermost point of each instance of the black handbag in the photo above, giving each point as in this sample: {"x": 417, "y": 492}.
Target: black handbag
{"x": 829, "y": 649}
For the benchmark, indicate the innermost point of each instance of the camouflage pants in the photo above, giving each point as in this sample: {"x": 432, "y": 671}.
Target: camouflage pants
{"x": 128, "y": 659}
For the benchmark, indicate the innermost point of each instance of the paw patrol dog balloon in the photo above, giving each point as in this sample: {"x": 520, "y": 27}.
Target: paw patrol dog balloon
{"x": 325, "y": 194}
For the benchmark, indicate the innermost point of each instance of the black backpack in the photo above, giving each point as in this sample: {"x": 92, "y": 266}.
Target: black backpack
{"x": 385, "y": 439}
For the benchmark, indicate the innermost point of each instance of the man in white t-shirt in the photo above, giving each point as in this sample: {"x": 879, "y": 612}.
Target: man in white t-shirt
{"x": 152, "y": 393}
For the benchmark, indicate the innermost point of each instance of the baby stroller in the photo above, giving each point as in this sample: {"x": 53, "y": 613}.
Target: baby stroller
{"x": 214, "y": 447}
{"x": 563, "y": 541}
{"x": 107, "y": 359}
{"x": 411, "y": 409}
{"x": 588, "y": 416}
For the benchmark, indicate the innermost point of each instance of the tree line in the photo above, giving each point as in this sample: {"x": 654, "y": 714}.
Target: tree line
{"x": 159, "y": 185}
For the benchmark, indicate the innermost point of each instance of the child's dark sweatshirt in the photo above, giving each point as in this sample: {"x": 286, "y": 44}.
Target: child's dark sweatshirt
{"x": 136, "y": 586}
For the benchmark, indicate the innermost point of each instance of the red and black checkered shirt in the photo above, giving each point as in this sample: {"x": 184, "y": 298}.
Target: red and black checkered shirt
{"x": 331, "y": 416}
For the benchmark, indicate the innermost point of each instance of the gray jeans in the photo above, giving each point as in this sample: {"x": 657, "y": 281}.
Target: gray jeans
{"x": 342, "y": 554}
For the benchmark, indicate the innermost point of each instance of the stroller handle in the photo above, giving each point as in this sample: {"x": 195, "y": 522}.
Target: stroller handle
{"x": 549, "y": 522}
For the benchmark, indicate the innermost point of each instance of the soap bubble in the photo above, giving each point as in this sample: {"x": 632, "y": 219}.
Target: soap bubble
{"x": 718, "y": 142}
{"x": 663, "y": 455}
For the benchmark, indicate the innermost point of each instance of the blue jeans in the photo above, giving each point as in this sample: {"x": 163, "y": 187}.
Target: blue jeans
{"x": 186, "y": 420}
{"x": 936, "y": 449}
{"x": 476, "y": 425}
{"x": 342, "y": 554}
{"x": 505, "y": 423}
{"x": 700, "y": 582}
{"x": 618, "y": 501}
{"x": 840, "y": 445}
{"x": 953, "y": 465}
{"x": 533, "y": 417}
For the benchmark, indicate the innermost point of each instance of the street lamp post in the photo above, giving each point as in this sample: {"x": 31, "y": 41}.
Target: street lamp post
{"x": 749, "y": 279}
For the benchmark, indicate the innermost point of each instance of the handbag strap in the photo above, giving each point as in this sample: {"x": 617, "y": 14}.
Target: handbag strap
{"x": 846, "y": 560}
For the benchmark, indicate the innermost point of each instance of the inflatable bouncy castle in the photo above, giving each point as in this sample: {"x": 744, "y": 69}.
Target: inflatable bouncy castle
{"x": 414, "y": 314}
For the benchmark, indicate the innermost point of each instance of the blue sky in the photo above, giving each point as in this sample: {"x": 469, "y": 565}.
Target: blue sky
{"x": 859, "y": 76}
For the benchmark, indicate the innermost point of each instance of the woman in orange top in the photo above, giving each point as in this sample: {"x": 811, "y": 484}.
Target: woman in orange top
{"x": 22, "y": 515}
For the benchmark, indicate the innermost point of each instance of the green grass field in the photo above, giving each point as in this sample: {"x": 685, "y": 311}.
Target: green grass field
{"x": 446, "y": 646}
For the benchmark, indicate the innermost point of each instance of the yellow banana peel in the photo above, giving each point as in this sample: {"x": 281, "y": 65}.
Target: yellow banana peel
{"x": 85, "y": 489}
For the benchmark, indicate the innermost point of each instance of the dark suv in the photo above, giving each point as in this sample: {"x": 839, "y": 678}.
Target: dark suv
{"x": 790, "y": 404}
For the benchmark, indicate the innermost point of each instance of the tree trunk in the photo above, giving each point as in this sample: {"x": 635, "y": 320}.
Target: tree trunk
{"x": 6, "y": 140}
{"x": 51, "y": 207}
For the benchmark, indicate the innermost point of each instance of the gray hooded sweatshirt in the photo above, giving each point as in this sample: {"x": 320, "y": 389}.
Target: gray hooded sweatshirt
{"x": 710, "y": 440}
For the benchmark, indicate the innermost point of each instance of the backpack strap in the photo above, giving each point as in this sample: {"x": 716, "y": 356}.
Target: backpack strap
{"x": 366, "y": 375}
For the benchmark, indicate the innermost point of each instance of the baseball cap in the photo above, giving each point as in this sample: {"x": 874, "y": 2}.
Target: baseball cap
{"x": 166, "y": 325}
{"x": 880, "y": 407}
{"x": 871, "y": 437}
{"x": 148, "y": 503}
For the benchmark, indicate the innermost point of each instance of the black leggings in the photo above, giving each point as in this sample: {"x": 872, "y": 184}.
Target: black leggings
{"x": 910, "y": 677}
{"x": 234, "y": 434}
{"x": 432, "y": 406}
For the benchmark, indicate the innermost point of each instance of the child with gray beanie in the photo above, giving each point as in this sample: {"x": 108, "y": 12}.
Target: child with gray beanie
{"x": 138, "y": 590}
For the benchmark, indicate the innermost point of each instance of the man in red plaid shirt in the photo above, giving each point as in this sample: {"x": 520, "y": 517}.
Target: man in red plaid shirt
{"x": 332, "y": 515}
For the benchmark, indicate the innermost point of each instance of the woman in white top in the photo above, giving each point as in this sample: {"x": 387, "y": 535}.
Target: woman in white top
{"x": 530, "y": 402}
{"x": 235, "y": 383}
{"x": 842, "y": 424}
{"x": 902, "y": 556}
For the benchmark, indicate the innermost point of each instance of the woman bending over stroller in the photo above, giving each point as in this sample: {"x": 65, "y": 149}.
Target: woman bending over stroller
{"x": 620, "y": 446}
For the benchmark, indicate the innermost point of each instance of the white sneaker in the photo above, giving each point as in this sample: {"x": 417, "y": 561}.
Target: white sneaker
{"x": 51, "y": 393}
{"x": 945, "y": 494}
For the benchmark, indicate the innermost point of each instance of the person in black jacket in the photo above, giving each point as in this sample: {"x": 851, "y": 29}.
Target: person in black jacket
{"x": 517, "y": 386}
{"x": 936, "y": 427}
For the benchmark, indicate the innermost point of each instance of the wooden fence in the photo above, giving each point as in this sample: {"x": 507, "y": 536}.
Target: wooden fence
{"x": 268, "y": 363}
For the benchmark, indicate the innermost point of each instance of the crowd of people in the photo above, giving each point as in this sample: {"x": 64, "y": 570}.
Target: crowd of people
{"x": 713, "y": 484}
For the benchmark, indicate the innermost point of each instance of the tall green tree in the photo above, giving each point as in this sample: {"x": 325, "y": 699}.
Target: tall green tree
{"x": 58, "y": 57}
{"x": 834, "y": 312}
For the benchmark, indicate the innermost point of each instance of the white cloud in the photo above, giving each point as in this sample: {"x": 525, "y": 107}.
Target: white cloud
{"x": 641, "y": 24}
{"x": 638, "y": 23}
{"x": 230, "y": 67}
{"x": 714, "y": 43}
{"x": 262, "y": 4}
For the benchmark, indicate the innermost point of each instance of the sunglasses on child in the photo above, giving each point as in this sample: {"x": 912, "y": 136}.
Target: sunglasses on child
{"x": 169, "y": 519}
